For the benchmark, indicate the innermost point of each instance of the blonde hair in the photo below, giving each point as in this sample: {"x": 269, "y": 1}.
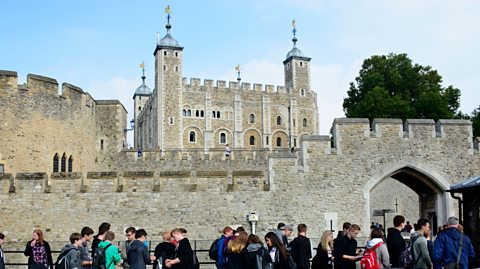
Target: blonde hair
{"x": 324, "y": 240}
{"x": 236, "y": 245}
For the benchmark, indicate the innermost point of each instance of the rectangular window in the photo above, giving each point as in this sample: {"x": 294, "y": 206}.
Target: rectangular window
{"x": 170, "y": 120}
{"x": 101, "y": 144}
{"x": 295, "y": 142}
{"x": 2, "y": 169}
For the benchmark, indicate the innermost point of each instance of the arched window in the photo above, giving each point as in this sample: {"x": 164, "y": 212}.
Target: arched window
{"x": 252, "y": 118}
{"x": 197, "y": 113}
{"x": 304, "y": 122}
{"x": 252, "y": 140}
{"x": 55, "y": 163}
{"x": 214, "y": 114}
{"x": 202, "y": 114}
{"x": 192, "y": 137}
{"x": 189, "y": 113}
{"x": 70, "y": 164}
{"x": 223, "y": 138}
{"x": 64, "y": 163}
{"x": 165, "y": 53}
{"x": 302, "y": 92}
{"x": 279, "y": 142}
{"x": 184, "y": 112}
{"x": 176, "y": 53}
{"x": 218, "y": 114}
{"x": 279, "y": 120}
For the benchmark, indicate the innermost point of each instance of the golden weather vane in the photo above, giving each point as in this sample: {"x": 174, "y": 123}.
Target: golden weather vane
{"x": 167, "y": 9}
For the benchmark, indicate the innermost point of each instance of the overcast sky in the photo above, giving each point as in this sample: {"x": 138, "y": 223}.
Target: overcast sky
{"x": 98, "y": 45}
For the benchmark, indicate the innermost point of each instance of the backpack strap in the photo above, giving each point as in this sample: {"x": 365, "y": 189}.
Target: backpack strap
{"x": 413, "y": 249}
{"x": 460, "y": 250}
{"x": 105, "y": 249}
{"x": 377, "y": 246}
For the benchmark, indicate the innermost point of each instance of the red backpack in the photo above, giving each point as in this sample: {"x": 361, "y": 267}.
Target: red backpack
{"x": 369, "y": 259}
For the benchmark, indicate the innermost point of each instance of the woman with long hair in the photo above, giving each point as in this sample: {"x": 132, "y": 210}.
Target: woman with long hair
{"x": 278, "y": 252}
{"x": 234, "y": 247}
{"x": 324, "y": 258}
{"x": 38, "y": 252}
{"x": 255, "y": 255}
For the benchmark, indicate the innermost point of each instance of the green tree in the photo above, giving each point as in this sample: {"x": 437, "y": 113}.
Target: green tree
{"x": 392, "y": 87}
{"x": 475, "y": 118}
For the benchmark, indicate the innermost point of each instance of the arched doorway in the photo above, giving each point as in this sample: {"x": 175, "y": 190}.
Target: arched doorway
{"x": 409, "y": 189}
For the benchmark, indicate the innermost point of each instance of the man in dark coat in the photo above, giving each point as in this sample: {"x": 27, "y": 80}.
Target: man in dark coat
{"x": 345, "y": 249}
{"x": 447, "y": 244}
{"x": 301, "y": 249}
{"x": 395, "y": 241}
{"x": 137, "y": 254}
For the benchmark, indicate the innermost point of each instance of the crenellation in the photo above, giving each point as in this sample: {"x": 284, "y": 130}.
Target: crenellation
{"x": 281, "y": 89}
{"x": 8, "y": 81}
{"x": 37, "y": 83}
{"x": 73, "y": 92}
{"x": 208, "y": 83}
{"x": 269, "y": 88}
{"x": 246, "y": 86}
{"x": 195, "y": 83}
{"x": 221, "y": 84}
{"x": 258, "y": 87}
{"x": 233, "y": 85}
{"x": 387, "y": 128}
{"x": 420, "y": 128}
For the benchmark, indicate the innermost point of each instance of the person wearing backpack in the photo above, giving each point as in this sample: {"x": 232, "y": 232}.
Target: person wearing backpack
{"x": 69, "y": 257}
{"x": 376, "y": 254}
{"x": 420, "y": 255}
{"x": 222, "y": 247}
{"x": 137, "y": 255}
{"x": 112, "y": 256}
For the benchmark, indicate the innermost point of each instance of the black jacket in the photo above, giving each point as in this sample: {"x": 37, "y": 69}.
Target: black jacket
{"x": 249, "y": 256}
{"x": 184, "y": 253}
{"x": 321, "y": 259}
{"x": 137, "y": 255}
{"x": 29, "y": 253}
{"x": 395, "y": 245}
{"x": 164, "y": 250}
{"x": 344, "y": 245}
{"x": 301, "y": 251}
{"x": 2, "y": 259}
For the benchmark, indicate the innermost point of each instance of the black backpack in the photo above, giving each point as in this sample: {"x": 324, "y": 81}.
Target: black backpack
{"x": 100, "y": 258}
{"x": 213, "y": 251}
{"x": 196, "y": 264}
{"x": 61, "y": 262}
{"x": 407, "y": 257}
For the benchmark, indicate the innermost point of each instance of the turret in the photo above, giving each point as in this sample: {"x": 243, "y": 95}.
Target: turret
{"x": 168, "y": 84}
{"x": 296, "y": 67}
{"x": 140, "y": 98}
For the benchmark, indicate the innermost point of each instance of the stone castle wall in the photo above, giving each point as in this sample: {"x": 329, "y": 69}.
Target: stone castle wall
{"x": 317, "y": 185}
{"x": 38, "y": 123}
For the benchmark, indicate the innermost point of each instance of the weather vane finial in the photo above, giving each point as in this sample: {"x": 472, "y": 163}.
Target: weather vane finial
{"x": 294, "y": 31}
{"x": 237, "y": 68}
{"x": 168, "y": 10}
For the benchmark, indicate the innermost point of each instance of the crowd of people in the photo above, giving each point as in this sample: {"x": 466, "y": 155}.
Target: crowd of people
{"x": 236, "y": 249}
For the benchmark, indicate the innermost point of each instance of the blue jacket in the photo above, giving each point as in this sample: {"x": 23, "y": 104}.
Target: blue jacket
{"x": 445, "y": 248}
{"x": 221, "y": 247}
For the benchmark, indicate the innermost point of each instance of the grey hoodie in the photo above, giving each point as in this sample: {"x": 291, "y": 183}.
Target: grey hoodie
{"x": 383, "y": 258}
{"x": 73, "y": 260}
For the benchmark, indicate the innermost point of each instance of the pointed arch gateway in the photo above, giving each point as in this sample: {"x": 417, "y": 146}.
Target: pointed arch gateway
{"x": 434, "y": 203}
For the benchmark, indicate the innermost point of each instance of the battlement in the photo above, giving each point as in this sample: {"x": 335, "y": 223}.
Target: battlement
{"x": 42, "y": 84}
{"x": 196, "y": 84}
{"x": 354, "y": 133}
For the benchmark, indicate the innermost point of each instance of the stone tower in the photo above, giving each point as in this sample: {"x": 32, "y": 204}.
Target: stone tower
{"x": 140, "y": 98}
{"x": 296, "y": 68}
{"x": 297, "y": 83}
{"x": 168, "y": 84}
